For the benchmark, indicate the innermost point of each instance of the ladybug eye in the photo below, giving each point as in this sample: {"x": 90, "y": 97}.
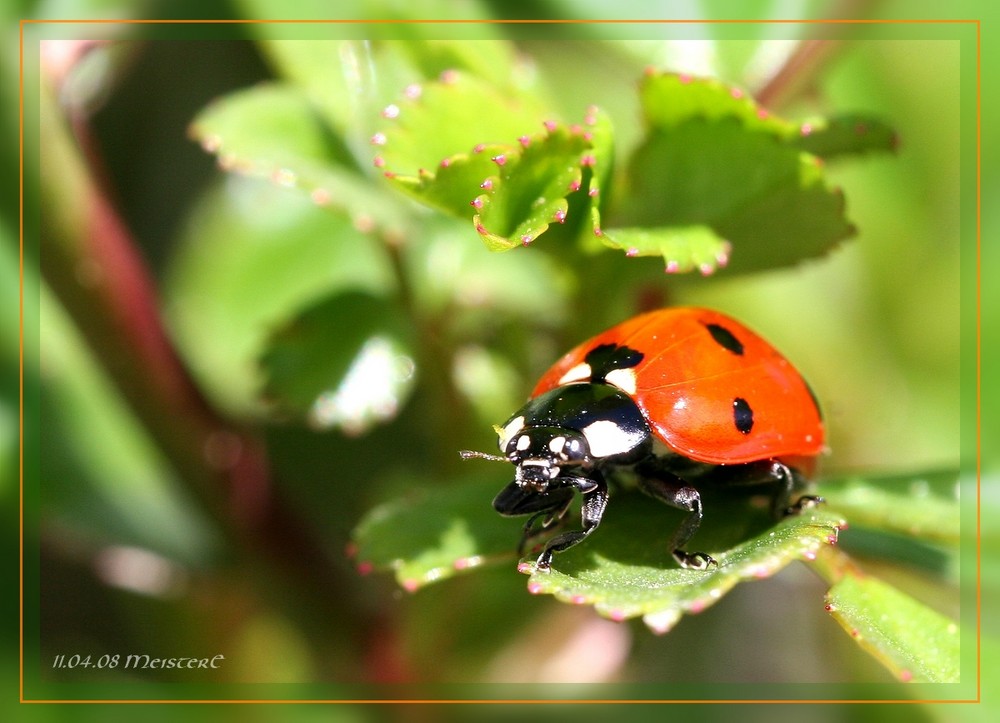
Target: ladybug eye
{"x": 568, "y": 449}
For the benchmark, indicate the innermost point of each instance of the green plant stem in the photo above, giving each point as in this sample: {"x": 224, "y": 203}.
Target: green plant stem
{"x": 89, "y": 259}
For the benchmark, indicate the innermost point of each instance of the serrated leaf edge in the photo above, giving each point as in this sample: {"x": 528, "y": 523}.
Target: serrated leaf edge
{"x": 661, "y": 621}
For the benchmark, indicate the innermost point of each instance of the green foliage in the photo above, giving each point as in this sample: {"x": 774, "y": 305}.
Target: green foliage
{"x": 336, "y": 291}
{"x": 913, "y": 641}
{"x": 624, "y": 569}
{"x": 434, "y": 533}
{"x": 922, "y": 506}
{"x": 530, "y": 191}
{"x": 342, "y": 362}
{"x": 290, "y": 144}
{"x": 252, "y": 257}
{"x": 716, "y": 178}
{"x": 713, "y": 162}
{"x": 722, "y": 171}
{"x": 628, "y": 573}
{"x": 847, "y": 135}
{"x": 715, "y": 181}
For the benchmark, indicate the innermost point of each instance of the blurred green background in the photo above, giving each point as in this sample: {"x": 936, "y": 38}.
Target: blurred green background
{"x": 131, "y": 551}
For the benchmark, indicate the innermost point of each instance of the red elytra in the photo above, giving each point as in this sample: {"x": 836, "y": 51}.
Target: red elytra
{"x": 695, "y": 363}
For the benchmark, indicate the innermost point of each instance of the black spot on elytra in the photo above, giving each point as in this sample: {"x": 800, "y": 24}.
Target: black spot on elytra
{"x": 725, "y": 338}
{"x": 605, "y": 358}
{"x": 742, "y": 415}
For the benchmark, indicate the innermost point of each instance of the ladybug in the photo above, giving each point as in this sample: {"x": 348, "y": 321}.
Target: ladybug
{"x": 682, "y": 397}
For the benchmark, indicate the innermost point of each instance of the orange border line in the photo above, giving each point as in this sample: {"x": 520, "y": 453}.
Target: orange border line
{"x": 504, "y": 21}
{"x": 479, "y": 21}
{"x": 979, "y": 363}
{"x": 20, "y": 361}
{"x": 498, "y": 701}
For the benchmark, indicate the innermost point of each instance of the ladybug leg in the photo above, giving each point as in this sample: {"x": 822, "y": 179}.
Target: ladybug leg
{"x": 785, "y": 480}
{"x": 677, "y": 493}
{"x": 788, "y": 480}
{"x": 805, "y": 502}
{"x": 552, "y": 517}
{"x": 595, "y": 500}
{"x": 514, "y": 500}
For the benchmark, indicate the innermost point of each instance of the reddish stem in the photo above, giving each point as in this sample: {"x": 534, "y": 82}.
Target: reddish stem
{"x": 801, "y": 67}
{"x": 90, "y": 260}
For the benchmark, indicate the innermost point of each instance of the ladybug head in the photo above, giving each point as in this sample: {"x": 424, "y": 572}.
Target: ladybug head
{"x": 543, "y": 454}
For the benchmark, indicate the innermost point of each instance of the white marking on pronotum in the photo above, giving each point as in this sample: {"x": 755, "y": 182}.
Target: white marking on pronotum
{"x": 624, "y": 379}
{"x": 507, "y": 433}
{"x": 580, "y": 373}
{"x": 606, "y": 438}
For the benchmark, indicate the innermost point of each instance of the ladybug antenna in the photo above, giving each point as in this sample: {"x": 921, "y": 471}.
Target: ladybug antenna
{"x": 471, "y": 454}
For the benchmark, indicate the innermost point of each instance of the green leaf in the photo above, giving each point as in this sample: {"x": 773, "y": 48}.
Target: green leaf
{"x": 919, "y": 505}
{"x": 712, "y": 158}
{"x": 513, "y": 185}
{"x": 249, "y": 259}
{"x": 493, "y": 60}
{"x": 437, "y": 120}
{"x": 624, "y": 570}
{"x": 446, "y": 169}
{"x": 274, "y": 132}
{"x": 846, "y": 135}
{"x": 455, "y": 184}
{"x": 684, "y": 248}
{"x": 530, "y": 187}
{"x": 600, "y": 133}
{"x": 347, "y": 79}
{"x": 911, "y": 640}
{"x": 670, "y": 99}
{"x": 436, "y": 533}
{"x": 321, "y": 69}
{"x": 342, "y": 362}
